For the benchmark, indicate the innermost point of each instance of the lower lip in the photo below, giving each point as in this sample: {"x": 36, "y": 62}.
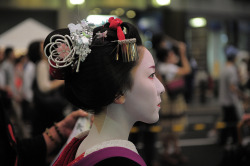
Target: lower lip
{"x": 159, "y": 105}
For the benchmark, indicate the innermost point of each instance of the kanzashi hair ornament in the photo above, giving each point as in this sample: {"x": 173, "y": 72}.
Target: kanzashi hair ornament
{"x": 65, "y": 50}
{"x": 101, "y": 35}
{"x": 128, "y": 49}
{"x": 128, "y": 46}
{"x": 116, "y": 24}
{"x": 61, "y": 51}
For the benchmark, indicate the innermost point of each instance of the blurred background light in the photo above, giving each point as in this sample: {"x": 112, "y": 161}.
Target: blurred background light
{"x": 163, "y": 2}
{"x": 99, "y": 19}
{"x": 198, "y": 22}
{"x": 77, "y": 2}
{"x": 144, "y": 23}
{"x": 113, "y": 12}
{"x": 120, "y": 11}
{"x": 131, "y": 14}
{"x": 95, "y": 11}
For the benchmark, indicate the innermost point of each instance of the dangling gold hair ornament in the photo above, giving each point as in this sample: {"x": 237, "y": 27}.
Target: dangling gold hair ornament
{"x": 128, "y": 46}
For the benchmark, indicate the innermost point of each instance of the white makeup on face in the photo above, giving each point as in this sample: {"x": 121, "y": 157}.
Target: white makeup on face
{"x": 143, "y": 100}
{"x": 141, "y": 104}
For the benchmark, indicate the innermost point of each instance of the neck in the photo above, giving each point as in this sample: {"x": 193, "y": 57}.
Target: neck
{"x": 113, "y": 123}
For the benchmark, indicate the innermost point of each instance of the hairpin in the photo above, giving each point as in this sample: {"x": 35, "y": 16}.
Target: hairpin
{"x": 65, "y": 50}
{"x": 128, "y": 46}
{"x": 102, "y": 35}
{"x": 128, "y": 50}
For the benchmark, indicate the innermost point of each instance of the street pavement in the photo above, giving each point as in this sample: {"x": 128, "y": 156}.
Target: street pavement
{"x": 199, "y": 143}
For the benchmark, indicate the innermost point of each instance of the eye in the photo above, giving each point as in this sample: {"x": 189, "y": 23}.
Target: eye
{"x": 152, "y": 76}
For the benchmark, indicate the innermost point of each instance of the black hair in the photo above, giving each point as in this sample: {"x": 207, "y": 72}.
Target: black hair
{"x": 101, "y": 78}
{"x": 34, "y": 51}
{"x": 157, "y": 39}
{"x": 230, "y": 52}
{"x": 176, "y": 50}
{"x": 231, "y": 58}
{"x": 7, "y": 52}
{"x": 162, "y": 54}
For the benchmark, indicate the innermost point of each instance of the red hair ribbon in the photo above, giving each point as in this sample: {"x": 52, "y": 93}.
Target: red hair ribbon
{"x": 116, "y": 24}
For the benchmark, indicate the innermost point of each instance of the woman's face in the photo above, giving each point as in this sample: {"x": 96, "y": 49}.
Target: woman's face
{"x": 143, "y": 100}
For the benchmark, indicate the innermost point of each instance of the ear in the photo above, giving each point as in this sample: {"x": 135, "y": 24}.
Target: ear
{"x": 120, "y": 100}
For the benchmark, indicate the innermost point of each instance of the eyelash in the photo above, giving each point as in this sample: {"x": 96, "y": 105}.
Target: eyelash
{"x": 152, "y": 76}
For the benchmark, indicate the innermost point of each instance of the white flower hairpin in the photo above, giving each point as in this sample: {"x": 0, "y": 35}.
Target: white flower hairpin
{"x": 102, "y": 35}
{"x": 65, "y": 50}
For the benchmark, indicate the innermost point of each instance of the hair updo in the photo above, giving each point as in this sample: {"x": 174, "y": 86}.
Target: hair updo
{"x": 101, "y": 78}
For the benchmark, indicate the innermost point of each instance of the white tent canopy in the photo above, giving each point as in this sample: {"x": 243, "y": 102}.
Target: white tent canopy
{"x": 20, "y": 36}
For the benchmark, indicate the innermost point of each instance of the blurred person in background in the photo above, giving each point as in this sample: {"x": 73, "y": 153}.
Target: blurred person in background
{"x": 29, "y": 76}
{"x": 7, "y": 67}
{"x": 18, "y": 83}
{"x": 10, "y": 93}
{"x": 242, "y": 65}
{"x": 243, "y": 126}
{"x": 174, "y": 105}
{"x": 229, "y": 98}
{"x": 8, "y": 71}
{"x": 190, "y": 80}
{"x": 202, "y": 79}
{"x": 18, "y": 78}
{"x": 49, "y": 99}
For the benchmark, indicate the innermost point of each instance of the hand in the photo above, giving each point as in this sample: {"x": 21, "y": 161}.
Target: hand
{"x": 182, "y": 48}
{"x": 67, "y": 124}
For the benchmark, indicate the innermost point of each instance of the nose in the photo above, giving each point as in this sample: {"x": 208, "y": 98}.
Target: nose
{"x": 160, "y": 88}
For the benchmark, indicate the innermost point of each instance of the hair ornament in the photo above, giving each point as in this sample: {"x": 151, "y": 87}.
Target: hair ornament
{"x": 60, "y": 53}
{"x": 116, "y": 24}
{"x": 65, "y": 50}
{"x": 101, "y": 35}
{"x": 128, "y": 49}
{"x": 128, "y": 46}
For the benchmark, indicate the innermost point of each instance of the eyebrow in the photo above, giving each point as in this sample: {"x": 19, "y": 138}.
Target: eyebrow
{"x": 152, "y": 67}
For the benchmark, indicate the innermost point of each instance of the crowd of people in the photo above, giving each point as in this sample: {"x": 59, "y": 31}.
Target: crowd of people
{"x": 30, "y": 94}
{"x": 108, "y": 73}
{"x": 29, "y": 110}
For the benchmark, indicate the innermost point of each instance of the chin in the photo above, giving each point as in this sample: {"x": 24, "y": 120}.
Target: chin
{"x": 152, "y": 119}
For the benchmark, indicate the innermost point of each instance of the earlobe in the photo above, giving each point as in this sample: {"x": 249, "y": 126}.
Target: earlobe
{"x": 120, "y": 100}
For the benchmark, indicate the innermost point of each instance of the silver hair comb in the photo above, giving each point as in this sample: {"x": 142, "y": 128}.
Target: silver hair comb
{"x": 65, "y": 50}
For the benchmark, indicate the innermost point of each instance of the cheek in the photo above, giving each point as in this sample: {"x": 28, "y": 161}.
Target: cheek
{"x": 142, "y": 97}
{"x": 143, "y": 102}
{"x": 145, "y": 90}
